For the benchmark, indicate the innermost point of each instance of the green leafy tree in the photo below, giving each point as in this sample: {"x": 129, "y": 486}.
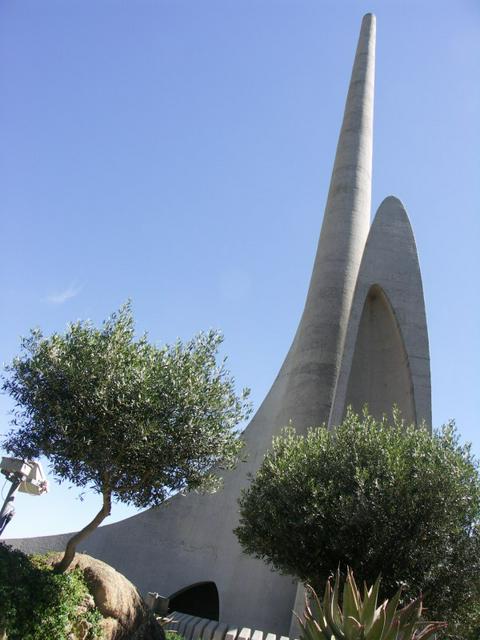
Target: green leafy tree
{"x": 383, "y": 499}
{"x": 124, "y": 417}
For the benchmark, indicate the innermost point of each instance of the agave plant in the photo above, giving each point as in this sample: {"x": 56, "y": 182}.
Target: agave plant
{"x": 360, "y": 618}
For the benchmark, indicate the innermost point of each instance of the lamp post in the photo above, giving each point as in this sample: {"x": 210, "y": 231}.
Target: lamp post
{"x": 25, "y": 476}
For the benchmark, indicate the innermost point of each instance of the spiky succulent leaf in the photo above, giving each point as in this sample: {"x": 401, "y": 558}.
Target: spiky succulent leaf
{"x": 378, "y": 627}
{"x": 327, "y": 595}
{"x": 336, "y": 612}
{"x": 370, "y": 604}
{"x": 391, "y": 609}
{"x": 336, "y": 630}
{"x": 355, "y": 590}
{"x": 315, "y": 617}
{"x": 329, "y": 610}
{"x": 310, "y": 628}
{"x": 351, "y": 605}
{"x": 392, "y": 632}
{"x": 354, "y": 630}
{"x": 430, "y": 630}
{"x": 318, "y": 613}
{"x": 411, "y": 613}
{"x": 407, "y": 631}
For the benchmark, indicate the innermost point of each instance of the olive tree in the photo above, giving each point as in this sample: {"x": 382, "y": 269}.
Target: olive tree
{"x": 384, "y": 499}
{"x": 131, "y": 420}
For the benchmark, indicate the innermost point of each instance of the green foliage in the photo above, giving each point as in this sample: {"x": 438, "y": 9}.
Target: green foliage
{"x": 361, "y": 618}
{"x": 173, "y": 635}
{"x": 118, "y": 414}
{"x": 37, "y": 604}
{"x": 382, "y": 498}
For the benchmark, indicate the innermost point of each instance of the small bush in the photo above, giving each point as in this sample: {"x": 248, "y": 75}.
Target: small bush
{"x": 384, "y": 499}
{"x": 38, "y": 604}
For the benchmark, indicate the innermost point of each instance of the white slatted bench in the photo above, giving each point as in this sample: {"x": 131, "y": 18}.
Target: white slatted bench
{"x": 194, "y": 628}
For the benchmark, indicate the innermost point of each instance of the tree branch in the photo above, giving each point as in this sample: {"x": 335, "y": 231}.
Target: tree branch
{"x": 75, "y": 540}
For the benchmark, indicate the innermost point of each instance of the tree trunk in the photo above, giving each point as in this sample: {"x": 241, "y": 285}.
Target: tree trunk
{"x": 75, "y": 540}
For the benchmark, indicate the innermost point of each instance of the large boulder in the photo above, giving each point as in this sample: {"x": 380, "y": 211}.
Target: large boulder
{"x": 126, "y": 616}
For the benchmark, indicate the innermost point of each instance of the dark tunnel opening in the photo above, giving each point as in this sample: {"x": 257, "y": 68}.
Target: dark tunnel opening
{"x": 199, "y": 599}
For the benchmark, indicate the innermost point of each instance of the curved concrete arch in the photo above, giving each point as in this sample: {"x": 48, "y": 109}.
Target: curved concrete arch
{"x": 390, "y": 263}
{"x": 380, "y": 374}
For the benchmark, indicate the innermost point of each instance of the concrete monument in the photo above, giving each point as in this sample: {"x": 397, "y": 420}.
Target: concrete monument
{"x": 362, "y": 338}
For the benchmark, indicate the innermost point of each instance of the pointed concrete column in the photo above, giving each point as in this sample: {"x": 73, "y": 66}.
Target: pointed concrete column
{"x": 314, "y": 359}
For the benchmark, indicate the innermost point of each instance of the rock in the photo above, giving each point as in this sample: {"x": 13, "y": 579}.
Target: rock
{"x": 126, "y": 616}
{"x": 111, "y": 628}
{"x": 82, "y": 627}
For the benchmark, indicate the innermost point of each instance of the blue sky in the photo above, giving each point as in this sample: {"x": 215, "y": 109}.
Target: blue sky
{"x": 178, "y": 153}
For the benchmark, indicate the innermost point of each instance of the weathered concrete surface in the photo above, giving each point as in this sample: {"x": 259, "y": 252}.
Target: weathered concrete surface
{"x": 189, "y": 539}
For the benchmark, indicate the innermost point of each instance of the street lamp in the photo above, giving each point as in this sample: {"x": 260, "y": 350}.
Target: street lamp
{"x": 26, "y": 476}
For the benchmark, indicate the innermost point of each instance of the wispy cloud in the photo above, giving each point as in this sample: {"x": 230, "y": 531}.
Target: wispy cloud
{"x": 67, "y": 294}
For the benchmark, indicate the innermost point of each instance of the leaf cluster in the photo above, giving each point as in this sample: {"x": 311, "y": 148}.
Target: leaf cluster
{"x": 381, "y": 498}
{"x": 122, "y": 415}
{"x": 37, "y": 604}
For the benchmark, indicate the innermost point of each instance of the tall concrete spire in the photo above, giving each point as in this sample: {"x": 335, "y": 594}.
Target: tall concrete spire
{"x": 314, "y": 359}
{"x": 362, "y": 338}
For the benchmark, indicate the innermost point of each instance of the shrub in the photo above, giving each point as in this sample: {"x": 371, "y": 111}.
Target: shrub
{"x": 381, "y": 498}
{"x": 38, "y": 604}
